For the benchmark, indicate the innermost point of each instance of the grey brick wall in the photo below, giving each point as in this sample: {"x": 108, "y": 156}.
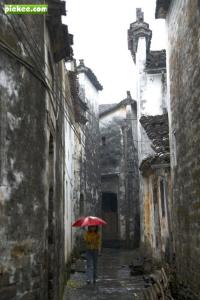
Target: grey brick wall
{"x": 183, "y": 23}
{"x": 25, "y": 265}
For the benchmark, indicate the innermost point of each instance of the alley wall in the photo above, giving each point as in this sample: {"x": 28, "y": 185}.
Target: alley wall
{"x": 90, "y": 169}
{"x": 183, "y": 22}
{"x": 119, "y": 173}
{"x": 32, "y": 264}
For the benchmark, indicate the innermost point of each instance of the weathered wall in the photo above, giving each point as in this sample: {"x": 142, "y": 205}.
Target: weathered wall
{"x": 183, "y": 22}
{"x": 119, "y": 169}
{"x": 69, "y": 169}
{"x": 31, "y": 192}
{"x": 73, "y": 155}
{"x": 151, "y": 91}
{"x": 90, "y": 172}
{"x": 112, "y": 163}
{"x": 157, "y": 215}
{"x": 151, "y": 95}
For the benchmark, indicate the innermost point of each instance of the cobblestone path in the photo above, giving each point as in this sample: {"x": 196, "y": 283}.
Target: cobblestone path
{"x": 114, "y": 280}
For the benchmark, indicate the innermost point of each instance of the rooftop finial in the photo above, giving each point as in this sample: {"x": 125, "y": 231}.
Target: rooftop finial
{"x": 138, "y": 29}
{"x": 139, "y": 15}
{"x": 81, "y": 62}
{"x": 128, "y": 95}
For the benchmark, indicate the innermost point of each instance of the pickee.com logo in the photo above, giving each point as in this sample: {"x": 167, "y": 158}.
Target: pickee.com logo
{"x": 26, "y": 9}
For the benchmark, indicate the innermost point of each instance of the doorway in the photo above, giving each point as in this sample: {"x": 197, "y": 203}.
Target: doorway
{"x": 110, "y": 215}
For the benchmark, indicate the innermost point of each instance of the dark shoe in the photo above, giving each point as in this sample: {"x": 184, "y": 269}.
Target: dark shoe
{"x": 88, "y": 282}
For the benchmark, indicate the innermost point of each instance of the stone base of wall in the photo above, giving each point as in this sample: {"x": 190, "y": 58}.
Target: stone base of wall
{"x": 157, "y": 286}
{"x": 182, "y": 292}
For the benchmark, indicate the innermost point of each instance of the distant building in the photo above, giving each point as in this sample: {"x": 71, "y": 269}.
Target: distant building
{"x": 75, "y": 119}
{"x": 90, "y": 185}
{"x": 119, "y": 173}
{"x": 183, "y": 56}
{"x": 152, "y": 133}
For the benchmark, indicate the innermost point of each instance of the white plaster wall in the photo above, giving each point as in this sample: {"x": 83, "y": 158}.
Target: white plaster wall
{"x": 144, "y": 148}
{"x": 152, "y": 95}
{"x": 151, "y": 98}
{"x": 69, "y": 187}
{"x": 91, "y": 93}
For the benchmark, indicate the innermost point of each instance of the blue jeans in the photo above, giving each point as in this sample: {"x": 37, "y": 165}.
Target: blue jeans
{"x": 92, "y": 258}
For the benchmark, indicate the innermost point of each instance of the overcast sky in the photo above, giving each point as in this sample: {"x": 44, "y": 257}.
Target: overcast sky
{"x": 100, "y": 38}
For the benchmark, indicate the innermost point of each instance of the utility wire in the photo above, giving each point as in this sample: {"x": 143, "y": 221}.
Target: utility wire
{"x": 98, "y": 120}
{"x": 46, "y": 78}
{"x": 61, "y": 88}
{"x": 47, "y": 86}
{"x": 66, "y": 113}
{"x": 31, "y": 68}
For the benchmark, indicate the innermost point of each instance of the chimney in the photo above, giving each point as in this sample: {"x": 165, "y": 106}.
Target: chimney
{"x": 81, "y": 61}
{"x": 139, "y": 15}
{"x": 137, "y": 30}
{"x": 128, "y": 95}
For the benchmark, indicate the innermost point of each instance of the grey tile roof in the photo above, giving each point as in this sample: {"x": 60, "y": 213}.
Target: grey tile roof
{"x": 156, "y": 60}
{"x": 157, "y": 129}
{"x": 90, "y": 74}
{"x": 106, "y": 108}
{"x": 162, "y": 7}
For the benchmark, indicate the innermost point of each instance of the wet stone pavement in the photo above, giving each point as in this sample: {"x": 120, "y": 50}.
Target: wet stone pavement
{"x": 114, "y": 280}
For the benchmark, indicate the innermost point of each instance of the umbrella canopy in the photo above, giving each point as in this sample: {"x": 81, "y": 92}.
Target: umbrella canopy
{"x": 89, "y": 221}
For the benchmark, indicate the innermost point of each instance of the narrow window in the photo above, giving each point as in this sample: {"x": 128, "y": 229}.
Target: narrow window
{"x": 81, "y": 204}
{"x": 51, "y": 147}
{"x": 103, "y": 139}
{"x": 174, "y": 154}
{"x": 162, "y": 196}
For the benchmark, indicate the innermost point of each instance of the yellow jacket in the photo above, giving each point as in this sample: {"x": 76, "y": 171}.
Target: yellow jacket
{"x": 92, "y": 240}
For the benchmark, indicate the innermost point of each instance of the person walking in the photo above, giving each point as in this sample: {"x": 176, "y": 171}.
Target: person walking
{"x": 93, "y": 243}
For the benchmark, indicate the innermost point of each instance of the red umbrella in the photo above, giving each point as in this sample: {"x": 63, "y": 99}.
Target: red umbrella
{"x": 89, "y": 221}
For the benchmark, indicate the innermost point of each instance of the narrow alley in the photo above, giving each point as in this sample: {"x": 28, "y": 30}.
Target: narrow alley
{"x": 99, "y": 149}
{"x": 114, "y": 279}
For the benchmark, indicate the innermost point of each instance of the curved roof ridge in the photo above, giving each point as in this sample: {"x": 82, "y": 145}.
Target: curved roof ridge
{"x": 107, "y": 108}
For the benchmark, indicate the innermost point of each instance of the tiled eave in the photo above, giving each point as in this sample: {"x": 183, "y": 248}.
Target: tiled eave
{"x": 149, "y": 164}
{"x": 61, "y": 39}
{"x": 162, "y": 7}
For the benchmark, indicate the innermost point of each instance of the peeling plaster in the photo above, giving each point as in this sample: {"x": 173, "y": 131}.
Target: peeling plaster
{"x": 13, "y": 121}
{"x": 22, "y": 49}
{"x": 9, "y": 84}
{"x": 6, "y": 188}
{"x": 5, "y": 192}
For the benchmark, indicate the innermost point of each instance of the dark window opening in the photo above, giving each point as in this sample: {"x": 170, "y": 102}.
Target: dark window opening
{"x": 81, "y": 204}
{"x": 50, "y": 217}
{"x": 109, "y": 202}
{"x": 103, "y": 139}
{"x": 162, "y": 196}
{"x": 155, "y": 194}
{"x": 51, "y": 147}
